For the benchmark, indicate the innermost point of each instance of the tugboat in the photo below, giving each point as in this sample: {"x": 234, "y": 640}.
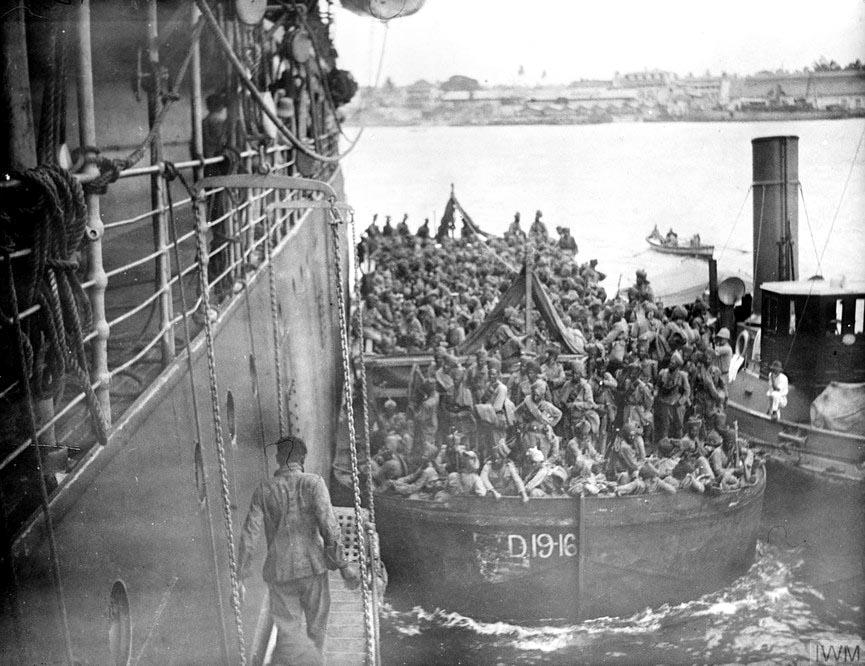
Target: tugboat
{"x": 813, "y": 328}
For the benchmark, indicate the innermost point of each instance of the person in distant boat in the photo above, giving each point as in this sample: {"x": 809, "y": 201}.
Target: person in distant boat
{"x": 673, "y": 397}
{"x": 515, "y": 230}
{"x": 695, "y": 240}
{"x": 538, "y": 417}
{"x": 656, "y": 234}
{"x": 303, "y": 543}
{"x": 566, "y": 241}
{"x": 641, "y": 291}
{"x": 388, "y": 229}
{"x": 672, "y": 238}
{"x": 402, "y": 227}
{"x": 500, "y": 476}
{"x": 423, "y": 230}
{"x": 538, "y": 230}
{"x": 778, "y": 388}
{"x": 466, "y": 481}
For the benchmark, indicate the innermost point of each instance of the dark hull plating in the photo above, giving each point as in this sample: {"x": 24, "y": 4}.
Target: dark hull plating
{"x": 562, "y": 557}
{"x": 135, "y": 511}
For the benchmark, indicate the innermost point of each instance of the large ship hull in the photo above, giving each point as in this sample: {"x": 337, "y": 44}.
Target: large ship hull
{"x": 146, "y": 509}
{"x": 563, "y": 557}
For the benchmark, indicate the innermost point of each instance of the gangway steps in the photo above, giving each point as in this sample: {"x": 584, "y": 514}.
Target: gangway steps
{"x": 346, "y": 627}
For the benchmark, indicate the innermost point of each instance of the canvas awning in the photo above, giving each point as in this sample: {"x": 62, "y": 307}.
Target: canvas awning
{"x": 513, "y": 297}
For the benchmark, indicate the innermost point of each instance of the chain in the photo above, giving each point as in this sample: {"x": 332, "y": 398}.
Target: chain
{"x": 274, "y": 317}
{"x": 363, "y": 388}
{"x": 352, "y": 436}
{"x": 217, "y": 429}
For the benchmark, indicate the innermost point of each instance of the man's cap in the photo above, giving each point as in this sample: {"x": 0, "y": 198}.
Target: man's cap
{"x": 290, "y": 447}
{"x": 776, "y": 366}
{"x": 724, "y": 333}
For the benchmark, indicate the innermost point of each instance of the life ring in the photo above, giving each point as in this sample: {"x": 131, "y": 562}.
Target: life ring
{"x": 742, "y": 342}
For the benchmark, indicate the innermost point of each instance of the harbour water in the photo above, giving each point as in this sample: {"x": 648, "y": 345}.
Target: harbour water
{"x": 610, "y": 184}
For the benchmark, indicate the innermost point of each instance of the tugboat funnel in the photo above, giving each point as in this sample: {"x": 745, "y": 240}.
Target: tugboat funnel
{"x": 776, "y": 211}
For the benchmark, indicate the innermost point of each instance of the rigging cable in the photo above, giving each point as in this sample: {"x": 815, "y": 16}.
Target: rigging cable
{"x": 352, "y": 436}
{"x": 247, "y": 83}
{"x": 204, "y": 287}
{"x": 843, "y": 193}
{"x": 43, "y": 490}
{"x": 810, "y": 230}
{"x": 735, "y": 223}
{"x": 171, "y": 173}
{"x": 825, "y": 245}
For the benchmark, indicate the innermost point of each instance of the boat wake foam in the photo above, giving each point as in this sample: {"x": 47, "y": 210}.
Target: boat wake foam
{"x": 765, "y": 614}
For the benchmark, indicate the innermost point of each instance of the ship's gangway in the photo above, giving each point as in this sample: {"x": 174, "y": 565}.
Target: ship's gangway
{"x": 346, "y": 643}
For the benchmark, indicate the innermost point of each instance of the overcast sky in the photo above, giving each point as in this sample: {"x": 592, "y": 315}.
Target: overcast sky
{"x": 572, "y": 39}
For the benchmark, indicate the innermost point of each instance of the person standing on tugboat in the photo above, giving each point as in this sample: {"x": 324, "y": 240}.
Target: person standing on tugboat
{"x": 778, "y": 388}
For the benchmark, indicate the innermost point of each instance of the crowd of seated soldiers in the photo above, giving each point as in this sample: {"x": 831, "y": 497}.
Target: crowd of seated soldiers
{"x": 424, "y": 291}
{"x": 640, "y": 408}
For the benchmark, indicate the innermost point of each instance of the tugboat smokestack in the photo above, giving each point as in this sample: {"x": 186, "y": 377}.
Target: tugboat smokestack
{"x": 776, "y": 210}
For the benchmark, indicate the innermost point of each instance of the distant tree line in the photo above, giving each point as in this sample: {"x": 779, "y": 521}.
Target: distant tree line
{"x": 824, "y": 65}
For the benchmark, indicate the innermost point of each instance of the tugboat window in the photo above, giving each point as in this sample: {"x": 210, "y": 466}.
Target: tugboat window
{"x": 859, "y": 322}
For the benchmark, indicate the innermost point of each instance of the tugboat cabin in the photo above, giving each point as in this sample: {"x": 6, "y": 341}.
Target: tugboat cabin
{"x": 815, "y": 328}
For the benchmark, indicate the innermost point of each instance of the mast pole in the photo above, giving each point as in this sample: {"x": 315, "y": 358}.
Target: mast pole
{"x": 529, "y": 277}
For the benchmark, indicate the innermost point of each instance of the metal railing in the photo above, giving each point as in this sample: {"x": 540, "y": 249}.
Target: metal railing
{"x": 139, "y": 341}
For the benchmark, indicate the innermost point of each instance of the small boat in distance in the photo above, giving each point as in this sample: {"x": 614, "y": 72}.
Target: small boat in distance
{"x": 670, "y": 244}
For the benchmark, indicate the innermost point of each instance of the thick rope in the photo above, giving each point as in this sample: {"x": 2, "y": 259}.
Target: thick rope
{"x": 352, "y": 438}
{"x": 370, "y": 486}
{"x": 274, "y": 319}
{"x": 204, "y": 287}
{"x": 52, "y": 217}
{"x": 43, "y": 490}
{"x": 247, "y": 83}
{"x": 52, "y": 122}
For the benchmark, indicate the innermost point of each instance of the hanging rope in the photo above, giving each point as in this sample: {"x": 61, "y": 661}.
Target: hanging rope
{"x": 370, "y": 486}
{"x": 843, "y": 193}
{"x": 26, "y": 368}
{"x": 760, "y": 226}
{"x": 50, "y": 216}
{"x": 244, "y": 79}
{"x": 735, "y": 223}
{"x": 171, "y": 173}
{"x": 204, "y": 287}
{"x": 52, "y": 121}
{"x": 335, "y": 221}
{"x": 810, "y": 230}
